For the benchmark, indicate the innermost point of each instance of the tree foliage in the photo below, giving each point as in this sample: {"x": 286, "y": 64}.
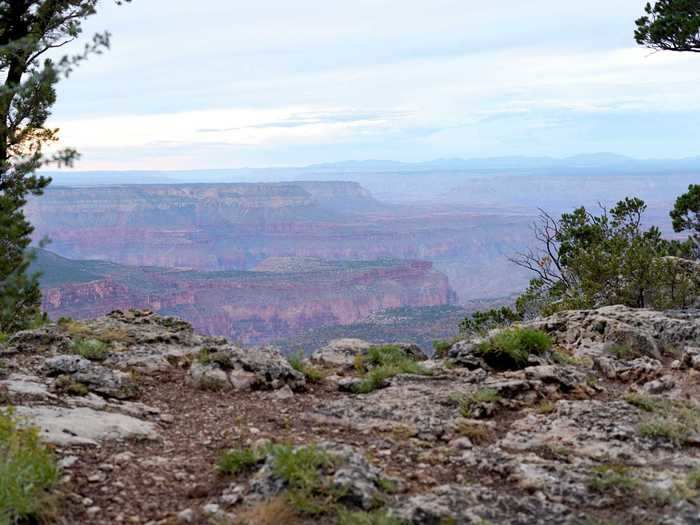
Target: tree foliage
{"x": 584, "y": 260}
{"x": 670, "y": 25}
{"x": 30, "y": 33}
{"x": 686, "y": 214}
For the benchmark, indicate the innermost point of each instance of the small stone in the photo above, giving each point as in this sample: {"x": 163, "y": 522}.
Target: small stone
{"x": 92, "y": 511}
{"x": 167, "y": 418}
{"x": 284, "y": 393}
{"x": 185, "y": 516}
{"x": 98, "y": 477}
{"x": 68, "y": 462}
{"x": 123, "y": 457}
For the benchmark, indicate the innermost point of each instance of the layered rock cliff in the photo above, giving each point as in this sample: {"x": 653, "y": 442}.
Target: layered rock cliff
{"x": 221, "y": 227}
{"x": 288, "y": 298}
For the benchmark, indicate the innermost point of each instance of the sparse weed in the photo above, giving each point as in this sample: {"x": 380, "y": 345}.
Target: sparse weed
{"x": 310, "y": 372}
{"x": 480, "y": 397}
{"x": 477, "y": 433}
{"x": 562, "y": 358}
{"x": 377, "y": 517}
{"x": 27, "y": 473}
{"x": 546, "y": 407}
{"x": 664, "y": 429}
{"x": 612, "y": 477}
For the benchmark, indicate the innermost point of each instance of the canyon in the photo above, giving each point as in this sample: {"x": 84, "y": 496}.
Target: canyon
{"x": 285, "y": 299}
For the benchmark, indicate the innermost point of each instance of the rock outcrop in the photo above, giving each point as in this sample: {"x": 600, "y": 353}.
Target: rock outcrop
{"x": 604, "y": 427}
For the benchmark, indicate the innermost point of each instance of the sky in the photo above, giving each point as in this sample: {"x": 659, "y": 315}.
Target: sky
{"x": 231, "y": 83}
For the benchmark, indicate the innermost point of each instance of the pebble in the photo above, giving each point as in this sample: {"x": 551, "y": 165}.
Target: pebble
{"x": 92, "y": 511}
{"x": 68, "y": 461}
{"x": 185, "y": 516}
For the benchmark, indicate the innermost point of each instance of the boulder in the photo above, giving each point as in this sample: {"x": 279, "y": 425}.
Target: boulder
{"x": 97, "y": 378}
{"x": 340, "y": 353}
{"x": 85, "y": 426}
{"x": 232, "y": 368}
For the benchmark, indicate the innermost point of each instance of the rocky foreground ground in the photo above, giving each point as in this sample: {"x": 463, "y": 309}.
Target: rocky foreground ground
{"x": 603, "y": 428}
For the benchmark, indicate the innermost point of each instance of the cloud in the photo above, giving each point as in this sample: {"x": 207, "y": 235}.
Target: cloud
{"x": 279, "y": 83}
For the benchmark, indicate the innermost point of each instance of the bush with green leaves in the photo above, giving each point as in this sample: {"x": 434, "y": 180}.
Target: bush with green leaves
{"x": 28, "y": 473}
{"x": 480, "y": 322}
{"x": 511, "y": 348}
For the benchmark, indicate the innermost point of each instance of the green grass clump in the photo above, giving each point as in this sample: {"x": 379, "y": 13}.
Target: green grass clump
{"x": 442, "y": 348}
{"x": 311, "y": 373}
{"x": 386, "y": 362}
{"x": 4, "y": 338}
{"x": 664, "y": 429}
{"x": 615, "y": 478}
{"x": 646, "y": 403}
{"x": 623, "y": 352}
{"x": 92, "y": 349}
{"x": 469, "y": 403}
{"x": 562, "y": 358}
{"x": 377, "y": 517}
{"x": 28, "y": 472}
{"x": 511, "y": 348}
{"x": 237, "y": 460}
{"x": 300, "y": 468}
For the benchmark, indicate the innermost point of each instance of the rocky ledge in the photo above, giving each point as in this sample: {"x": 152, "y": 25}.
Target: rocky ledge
{"x": 153, "y": 423}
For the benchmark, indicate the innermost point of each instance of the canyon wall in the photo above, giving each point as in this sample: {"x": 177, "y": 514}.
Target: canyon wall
{"x": 251, "y": 307}
{"x": 224, "y": 227}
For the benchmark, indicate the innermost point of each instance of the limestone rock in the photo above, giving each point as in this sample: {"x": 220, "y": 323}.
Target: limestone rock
{"x": 340, "y": 353}
{"x": 85, "y": 426}
{"x": 97, "y": 378}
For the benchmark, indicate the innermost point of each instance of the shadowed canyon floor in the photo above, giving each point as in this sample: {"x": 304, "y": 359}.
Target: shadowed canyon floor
{"x": 601, "y": 428}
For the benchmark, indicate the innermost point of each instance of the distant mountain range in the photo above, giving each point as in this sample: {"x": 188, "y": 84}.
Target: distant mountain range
{"x": 578, "y": 163}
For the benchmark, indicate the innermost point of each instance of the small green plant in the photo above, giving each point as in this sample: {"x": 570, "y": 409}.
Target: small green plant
{"x": 28, "y": 472}
{"x": 511, "y": 348}
{"x": 623, "y": 352}
{"x": 310, "y": 372}
{"x": 377, "y": 517}
{"x": 387, "y": 361}
{"x": 562, "y": 358}
{"x": 237, "y": 460}
{"x": 4, "y": 337}
{"x": 480, "y": 397}
{"x": 664, "y": 429}
{"x": 300, "y": 468}
{"x": 646, "y": 403}
{"x": 612, "y": 477}
{"x": 693, "y": 479}
{"x": 442, "y": 348}
{"x": 92, "y": 349}
{"x": 546, "y": 407}
{"x": 67, "y": 385}
{"x": 477, "y": 433}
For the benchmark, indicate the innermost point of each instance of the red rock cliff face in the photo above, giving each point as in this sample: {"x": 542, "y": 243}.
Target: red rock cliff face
{"x": 256, "y": 307}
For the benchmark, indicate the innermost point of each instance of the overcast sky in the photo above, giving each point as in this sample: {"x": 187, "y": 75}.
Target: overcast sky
{"x": 229, "y": 83}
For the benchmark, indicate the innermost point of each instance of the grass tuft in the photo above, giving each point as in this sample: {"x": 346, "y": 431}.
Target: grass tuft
{"x": 377, "y": 517}
{"x": 386, "y": 362}
{"x": 235, "y": 461}
{"x": 616, "y": 478}
{"x": 623, "y": 352}
{"x": 91, "y": 349}
{"x": 511, "y": 348}
{"x": 310, "y": 372}
{"x": 28, "y": 472}
{"x": 485, "y": 395}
